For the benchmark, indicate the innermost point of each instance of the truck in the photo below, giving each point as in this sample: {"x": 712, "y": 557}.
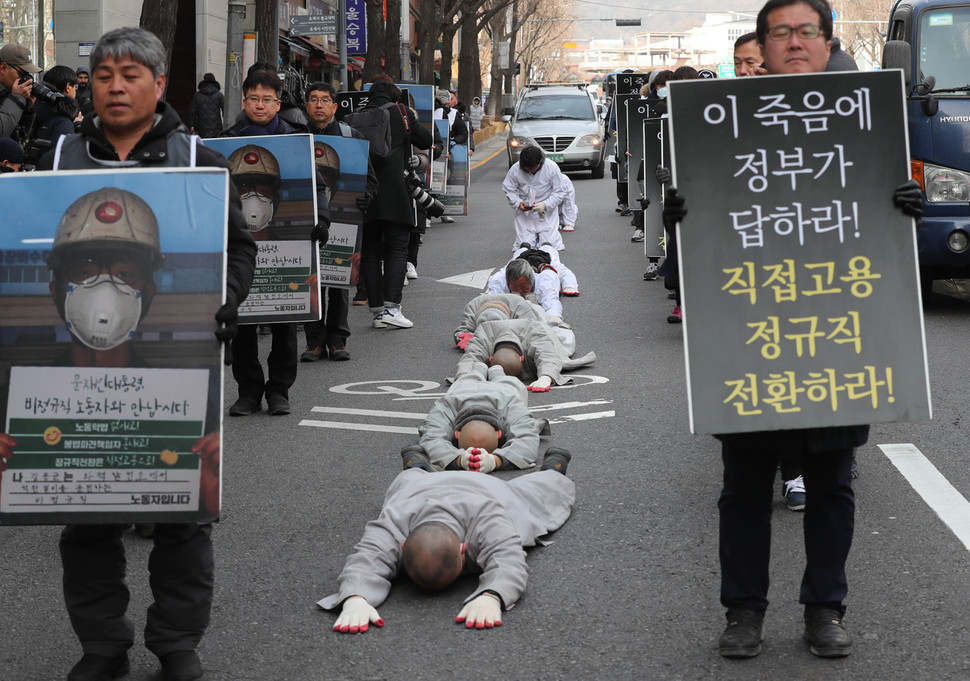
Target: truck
{"x": 930, "y": 41}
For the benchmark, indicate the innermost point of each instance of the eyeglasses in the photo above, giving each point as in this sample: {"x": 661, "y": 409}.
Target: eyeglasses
{"x": 22, "y": 73}
{"x": 804, "y": 31}
{"x": 320, "y": 100}
{"x": 252, "y": 99}
{"x": 121, "y": 269}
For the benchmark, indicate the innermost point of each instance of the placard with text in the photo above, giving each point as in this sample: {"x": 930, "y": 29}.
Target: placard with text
{"x": 799, "y": 276}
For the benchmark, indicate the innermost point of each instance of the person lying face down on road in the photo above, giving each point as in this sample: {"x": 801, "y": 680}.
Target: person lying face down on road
{"x": 481, "y": 424}
{"x": 524, "y": 349}
{"x": 433, "y": 527}
{"x": 491, "y": 307}
{"x": 549, "y": 278}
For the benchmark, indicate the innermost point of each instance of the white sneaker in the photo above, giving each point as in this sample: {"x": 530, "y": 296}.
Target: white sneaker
{"x": 638, "y": 235}
{"x": 412, "y": 271}
{"x": 393, "y": 317}
{"x": 379, "y": 319}
{"x": 406, "y": 282}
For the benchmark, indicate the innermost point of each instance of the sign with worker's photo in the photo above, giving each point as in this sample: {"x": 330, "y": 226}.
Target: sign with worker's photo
{"x": 276, "y": 178}
{"x": 799, "y": 277}
{"x": 340, "y": 260}
{"x": 654, "y": 241}
{"x": 110, "y": 372}
{"x": 455, "y": 196}
{"x": 342, "y": 163}
{"x": 439, "y": 166}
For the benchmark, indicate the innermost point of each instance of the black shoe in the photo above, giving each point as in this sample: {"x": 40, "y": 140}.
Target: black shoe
{"x": 181, "y": 665}
{"x": 93, "y": 667}
{"x": 556, "y": 459}
{"x": 826, "y": 635}
{"x": 245, "y": 406}
{"x": 415, "y": 457}
{"x": 744, "y": 635}
{"x": 278, "y": 405}
{"x": 360, "y": 297}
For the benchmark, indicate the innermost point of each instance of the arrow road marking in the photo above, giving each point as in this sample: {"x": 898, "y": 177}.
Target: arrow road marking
{"x": 951, "y": 506}
{"x": 476, "y": 279}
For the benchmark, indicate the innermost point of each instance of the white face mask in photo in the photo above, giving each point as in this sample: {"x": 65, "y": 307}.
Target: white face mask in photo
{"x": 258, "y": 211}
{"x": 102, "y": 314}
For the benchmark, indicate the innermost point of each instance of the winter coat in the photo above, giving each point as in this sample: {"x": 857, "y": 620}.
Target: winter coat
{"x": 205, "y": 112}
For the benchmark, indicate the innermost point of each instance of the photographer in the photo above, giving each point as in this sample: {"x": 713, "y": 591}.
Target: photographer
{"x": 56, "y": 110}
{"x": 16, "y": 83}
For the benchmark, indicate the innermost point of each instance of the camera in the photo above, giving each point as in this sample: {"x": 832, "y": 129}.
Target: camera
{"x": 432, "y": 206}
{"x": 42, "y": 92}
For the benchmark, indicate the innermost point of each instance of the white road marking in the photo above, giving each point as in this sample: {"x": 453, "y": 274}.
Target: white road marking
{"x": 339, "y": 425}
{"x": 370, "y": 412}
{"x": 476, "y": 279}
{"x": 584, "y": 417}
{"x": 951, "y": 506}
{"x": 569, "y": 405}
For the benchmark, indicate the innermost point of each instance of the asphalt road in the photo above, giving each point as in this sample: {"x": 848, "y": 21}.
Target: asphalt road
{"x": 628, "y": 589}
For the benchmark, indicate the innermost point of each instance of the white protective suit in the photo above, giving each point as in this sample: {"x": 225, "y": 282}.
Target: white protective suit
{"x": 494, "y": 517}
{"x": 545, "y": 186}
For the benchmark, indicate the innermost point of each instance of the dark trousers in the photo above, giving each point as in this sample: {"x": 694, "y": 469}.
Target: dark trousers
{"x": 180, "y": 572}
{"x": 333, "y": 329}
{"x": 414, "y": 243}
{"x": 282, "y": 361}
{"x": 745, "y": 527}
{"x": 387, "y": 242}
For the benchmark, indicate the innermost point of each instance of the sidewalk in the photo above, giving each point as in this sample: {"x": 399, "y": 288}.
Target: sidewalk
{"x": 487, "y": 149}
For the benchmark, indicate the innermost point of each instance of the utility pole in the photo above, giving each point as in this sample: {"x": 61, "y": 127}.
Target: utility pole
{"x": 234, "y": 60}
{"x": 344, "y": 83}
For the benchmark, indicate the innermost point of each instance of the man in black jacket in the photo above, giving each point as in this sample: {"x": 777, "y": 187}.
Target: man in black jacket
{"x": 328, "y": 337}
{"x": 134, "y": 128}
{"x": 16, "y": 82}
{"x": 261, "y": 106}
{"x": 391, "y": 216}
{"x": 205, "y": 112}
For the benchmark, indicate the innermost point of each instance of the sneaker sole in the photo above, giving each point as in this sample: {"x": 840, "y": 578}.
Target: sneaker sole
{"x": 741, "y": 653}
{"x": 796, "y": 507}
{"x": 397, "y": 325}
{"x": 243, "y": 412}
{"x": 830, "y": 652}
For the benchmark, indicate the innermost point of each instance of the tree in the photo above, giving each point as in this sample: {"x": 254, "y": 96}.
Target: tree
{"x": 475, "y": 16}
{"x": 267, "y": 28}
{"x": 864, "y": 41}
{"x": 159, "y": 18}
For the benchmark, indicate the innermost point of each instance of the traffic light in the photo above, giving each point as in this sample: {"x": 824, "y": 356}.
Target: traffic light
{"x": 627, "y": 22}
{"x": 518, "y": 68}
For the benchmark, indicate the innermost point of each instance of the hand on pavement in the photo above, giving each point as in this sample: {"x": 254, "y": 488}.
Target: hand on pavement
{"x": 482, "y": 612}
{"x": 356, "y": 615}
{"x": 540, "y": 385}
{"x": 463, "y": 340}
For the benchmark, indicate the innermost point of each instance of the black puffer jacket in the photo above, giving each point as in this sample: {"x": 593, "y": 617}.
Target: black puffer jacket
{"x": 205, "y": 112}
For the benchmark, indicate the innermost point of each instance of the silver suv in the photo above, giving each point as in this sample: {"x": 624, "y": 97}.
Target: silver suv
{"x": 565, "y": 121}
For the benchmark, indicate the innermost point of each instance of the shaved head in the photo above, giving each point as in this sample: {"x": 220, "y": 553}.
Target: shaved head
{"x": 509, "y": 358}
{"x": 432, "y": 555}
{"x": 478, "y": 434}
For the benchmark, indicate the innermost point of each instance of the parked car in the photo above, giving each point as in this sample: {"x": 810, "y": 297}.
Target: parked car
{"x": 565, "y": 121}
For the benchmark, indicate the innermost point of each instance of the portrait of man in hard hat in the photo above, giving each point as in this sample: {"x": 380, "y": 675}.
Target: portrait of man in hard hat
{"x": 256, "y": 173}
{"x": 342, "y": 164}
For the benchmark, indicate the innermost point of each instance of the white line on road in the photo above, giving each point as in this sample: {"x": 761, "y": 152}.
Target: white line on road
{"x": 370, "y": 412}
{"x": 339, "y": 425}
{"x": 584, "y": 417}
{"x": 569, "y": 405}
{"x": 951, "y": 506}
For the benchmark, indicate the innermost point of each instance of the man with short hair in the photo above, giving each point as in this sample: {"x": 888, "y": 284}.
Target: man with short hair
{"x": 434, "y": 526}
{"x": 328, "y": 337}
{"x": 794, "y": 36}
{"x": 16, "y": 82}
{"x": 12, "y": 156}
{"x": 512, "y": 305}
{"x": 135, "y": 128}
{"x": 747, "y": 56}
{"x": 261, "y": 106}
{"x": 535, "y": 189}
{"x": 84, "y": 91}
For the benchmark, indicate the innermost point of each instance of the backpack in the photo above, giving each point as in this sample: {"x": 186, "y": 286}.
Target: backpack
{"x": 375, "y": 125}
{"x": 535, "y": 257}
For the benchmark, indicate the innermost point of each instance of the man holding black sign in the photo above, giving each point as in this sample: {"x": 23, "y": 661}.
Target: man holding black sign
{"x": 795, "y": 37}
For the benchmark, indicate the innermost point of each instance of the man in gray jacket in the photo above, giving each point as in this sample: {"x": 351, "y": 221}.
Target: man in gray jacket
{"x": 16, "y": 82}
{"x": 481, "y": 424}
{"x": 437, "y": 525}
{"x": 512, "y": 305}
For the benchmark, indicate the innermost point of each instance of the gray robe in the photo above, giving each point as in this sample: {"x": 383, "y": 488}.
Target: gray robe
{"x": 494, "y": 517}
{"x": 519, "y": 307}
{"x": 544, "y": 352}
{"x": 506, "y": 395}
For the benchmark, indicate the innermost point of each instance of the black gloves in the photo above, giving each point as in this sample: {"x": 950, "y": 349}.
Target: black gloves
{"x": 320, "y": 232}
{"x": 908, "y": 198}
{"x": 663, "y": 175}
{"x": 674, "y": 208}
{"x": 363, "y": 203}
{"x": 644, "y": 203}
{"x": 228, "y": 318}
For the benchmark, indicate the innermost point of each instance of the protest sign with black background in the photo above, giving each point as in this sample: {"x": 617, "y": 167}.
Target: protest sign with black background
{"x": 799, "y": 276}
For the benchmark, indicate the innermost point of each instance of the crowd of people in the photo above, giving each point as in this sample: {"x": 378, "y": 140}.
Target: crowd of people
{"x": 514, "y": 339}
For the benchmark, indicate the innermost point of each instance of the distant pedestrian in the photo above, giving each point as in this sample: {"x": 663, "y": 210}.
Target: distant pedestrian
{"x": 205, "y": 112}
{"x": 475, "y": 113}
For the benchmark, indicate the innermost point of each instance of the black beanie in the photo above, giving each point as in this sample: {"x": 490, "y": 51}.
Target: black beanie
{"x": 478, "y": 413}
